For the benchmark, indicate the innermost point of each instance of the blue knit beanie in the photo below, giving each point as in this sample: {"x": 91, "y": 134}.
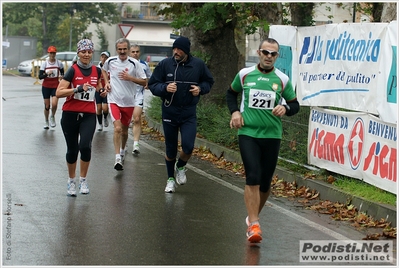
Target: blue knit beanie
{"x": 183, "y": 43}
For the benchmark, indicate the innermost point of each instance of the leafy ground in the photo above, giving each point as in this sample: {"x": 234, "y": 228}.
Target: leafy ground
{"x": 308, "y": 198}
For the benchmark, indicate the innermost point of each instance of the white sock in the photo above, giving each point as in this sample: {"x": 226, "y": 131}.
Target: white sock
{"x": 82, "y": 179}
{"x": 135, "y": 143}
{"x": 122, "y": 152}
{"x": 71, "y": 179}
{"x": 117, "y": 156}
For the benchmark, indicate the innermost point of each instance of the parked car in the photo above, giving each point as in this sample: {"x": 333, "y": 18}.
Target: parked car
{"x": 66, "y": 57}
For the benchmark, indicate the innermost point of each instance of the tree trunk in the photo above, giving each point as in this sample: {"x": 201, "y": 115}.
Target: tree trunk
{"x": 272, "y": 12}
{"x": 221, "y": 48}
{"x": 46, "y": 42}
{"x": 217, "y": 45}
{"x": 240, "y": 40}
{"x": 389, "y": 12}
{"x": 377, "y": 11}
{"x": 301, "y": 14}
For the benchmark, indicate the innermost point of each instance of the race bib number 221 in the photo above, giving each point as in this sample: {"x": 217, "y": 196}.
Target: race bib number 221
{"x": 261, "y": 99}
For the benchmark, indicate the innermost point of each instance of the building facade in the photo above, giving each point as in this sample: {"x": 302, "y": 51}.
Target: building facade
{"x": 142, "y": 26}
{"x": 155, "y": 35}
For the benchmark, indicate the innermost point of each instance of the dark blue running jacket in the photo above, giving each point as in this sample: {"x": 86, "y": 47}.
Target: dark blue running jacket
{"x": 191, "y": 72}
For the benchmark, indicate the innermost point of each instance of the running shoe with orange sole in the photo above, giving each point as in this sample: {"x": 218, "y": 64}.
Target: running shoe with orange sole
{"x": 254, "y": 233}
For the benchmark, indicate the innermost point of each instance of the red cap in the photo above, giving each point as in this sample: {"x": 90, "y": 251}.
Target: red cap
{"x": 51, "y": 49}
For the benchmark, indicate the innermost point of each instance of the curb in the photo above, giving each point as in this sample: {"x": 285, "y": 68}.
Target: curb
{"x": 326, "y": 190}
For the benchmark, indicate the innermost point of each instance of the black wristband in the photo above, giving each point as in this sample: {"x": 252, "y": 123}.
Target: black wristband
{"x": 80, "y": 88}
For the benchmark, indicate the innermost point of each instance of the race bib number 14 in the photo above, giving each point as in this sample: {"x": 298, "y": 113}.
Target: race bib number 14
{"x": 86, "y": 95}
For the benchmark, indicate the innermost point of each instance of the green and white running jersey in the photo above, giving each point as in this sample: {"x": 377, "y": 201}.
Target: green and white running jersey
{"x": 261, "y": 92}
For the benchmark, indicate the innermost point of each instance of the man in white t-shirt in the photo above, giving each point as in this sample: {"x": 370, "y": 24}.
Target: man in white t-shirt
{"x": 125, "y": 73}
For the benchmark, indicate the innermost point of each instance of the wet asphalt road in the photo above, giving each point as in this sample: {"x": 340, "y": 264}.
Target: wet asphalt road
{"x": 128, "y": 219}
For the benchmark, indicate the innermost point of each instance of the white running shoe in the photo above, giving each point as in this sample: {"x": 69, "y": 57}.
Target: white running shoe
{"x": 83, "y": 187}
{"x": 123, "y": 154}
{"x": 170, "y": 186}
{"x": 118, "y": 164}
{"x": 106, "y": 123}
{"x": 180, "y": 175}
{"x": 46, "y": 126}
{"x": 71, "y": 188}
{"x": 52, "y": 121}
{"x": 136, "y": 149}
{"x": 100, "y": 127}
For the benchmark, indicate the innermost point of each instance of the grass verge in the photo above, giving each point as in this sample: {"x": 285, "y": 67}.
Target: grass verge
{"x": 11, "y": 72}
{"x": 213, "y": 126}
{"x": 364, "y": 190}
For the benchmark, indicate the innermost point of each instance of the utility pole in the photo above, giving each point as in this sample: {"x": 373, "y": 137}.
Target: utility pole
{"x": 70, "y": 28}
{"x": 70, "y": 35}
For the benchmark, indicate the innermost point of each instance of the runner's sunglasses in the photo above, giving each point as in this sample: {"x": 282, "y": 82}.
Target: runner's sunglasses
{"x": 267, "y": 52}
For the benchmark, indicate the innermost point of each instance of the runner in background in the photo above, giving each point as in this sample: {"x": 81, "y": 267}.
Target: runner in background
{"x": 101, "y": 102}
{"x": 125, "y": 73}
{"x": 51, "y": 71}
{"x": 138, "y": 108}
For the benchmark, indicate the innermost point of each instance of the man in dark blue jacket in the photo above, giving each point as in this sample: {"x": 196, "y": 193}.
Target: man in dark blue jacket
{"x": 179, "y": 81}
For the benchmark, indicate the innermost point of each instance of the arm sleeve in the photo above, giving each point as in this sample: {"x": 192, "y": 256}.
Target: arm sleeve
{"x": 231, "y": 99}
{"x": 42, "y": 74}
{"x": 294, "y": 107}
{"x": 291, "y": 100}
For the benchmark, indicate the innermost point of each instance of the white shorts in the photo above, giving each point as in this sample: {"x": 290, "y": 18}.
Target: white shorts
{"x": 139, "y": 98}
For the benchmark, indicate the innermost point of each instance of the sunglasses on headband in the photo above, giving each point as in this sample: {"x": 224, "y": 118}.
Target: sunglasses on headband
{"x": 267, "y": 52}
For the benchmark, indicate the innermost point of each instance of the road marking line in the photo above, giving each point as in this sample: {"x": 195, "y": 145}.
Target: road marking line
{"x": 288, "y": 213}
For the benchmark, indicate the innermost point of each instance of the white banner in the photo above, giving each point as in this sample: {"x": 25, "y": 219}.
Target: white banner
{"x": 339, "y": 65}
{"x": 347, "y": 65}
{"x": 357, "y": 145}
{"x": 286, "y": 37}
{"x": 387, "y": 105}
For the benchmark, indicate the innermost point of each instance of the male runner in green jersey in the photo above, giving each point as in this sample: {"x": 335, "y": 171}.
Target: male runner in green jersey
{"x": 266, "y": 95}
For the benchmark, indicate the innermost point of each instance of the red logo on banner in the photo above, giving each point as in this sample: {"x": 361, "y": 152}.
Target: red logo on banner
{"x": 355, "y": 146}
